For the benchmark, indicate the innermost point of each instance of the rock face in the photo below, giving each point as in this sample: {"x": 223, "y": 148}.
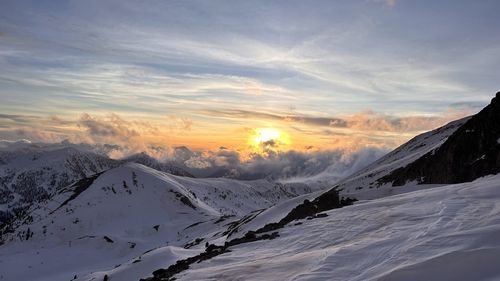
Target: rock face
{"x": 472, "y": 151}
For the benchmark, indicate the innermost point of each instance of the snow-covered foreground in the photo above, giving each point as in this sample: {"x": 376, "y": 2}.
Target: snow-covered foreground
{"x": 445, "y": 233}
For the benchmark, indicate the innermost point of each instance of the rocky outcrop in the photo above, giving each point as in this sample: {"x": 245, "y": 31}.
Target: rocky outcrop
{"x": 472, "y": 151}
{"x": 308, "y": 209}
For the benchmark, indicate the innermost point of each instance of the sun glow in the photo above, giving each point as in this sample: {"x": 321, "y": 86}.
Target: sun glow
{"x": 266, "y": 135}
{"x": 269, "y": 139}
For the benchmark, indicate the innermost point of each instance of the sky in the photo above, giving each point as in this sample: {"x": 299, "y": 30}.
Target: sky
{"x": 247, "y": 76}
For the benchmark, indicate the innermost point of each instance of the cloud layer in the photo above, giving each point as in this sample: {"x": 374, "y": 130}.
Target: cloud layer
{"x": 333, "y": 75}
{"x": 303, "y": 133}
{"x": 317, "y": 168}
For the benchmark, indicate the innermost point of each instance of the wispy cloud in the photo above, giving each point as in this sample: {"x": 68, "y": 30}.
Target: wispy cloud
{"x": 367, "y": 120}
{"x": 217, "y": 68}
{"x": 388, "y": 3}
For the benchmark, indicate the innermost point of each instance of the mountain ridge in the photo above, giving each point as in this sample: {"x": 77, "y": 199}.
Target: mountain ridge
{"x": 132, "y": 221}
{"x": 472, "y": 151}
{"x": 31, "y": 173}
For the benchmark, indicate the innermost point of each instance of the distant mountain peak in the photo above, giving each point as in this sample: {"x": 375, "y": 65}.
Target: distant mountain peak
{"x": 472, "y": 151}
{"x": 145, "y": 159}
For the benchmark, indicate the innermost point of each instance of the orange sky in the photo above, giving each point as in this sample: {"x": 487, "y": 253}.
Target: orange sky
{"x": 337, "y": 74}
{"x": 244, "y": 132}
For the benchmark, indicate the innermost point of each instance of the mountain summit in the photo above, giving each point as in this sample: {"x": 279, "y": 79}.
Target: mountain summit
{"x": 472, "y": 151}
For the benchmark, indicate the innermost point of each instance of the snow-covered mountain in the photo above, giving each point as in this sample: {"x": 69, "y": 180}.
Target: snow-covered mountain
{"x": 116, "y": 216}
{"x": 460, "y": 151}
{"x": 365, "y": 183}
{"x": 472, "y": 151}
{"x": 134, "y": 222}
{"x": 32, "y": 173}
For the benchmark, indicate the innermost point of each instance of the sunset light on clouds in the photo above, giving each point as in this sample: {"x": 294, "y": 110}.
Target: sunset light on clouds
{"x": 252, "y": 140}
{"x": 206, "y": 75}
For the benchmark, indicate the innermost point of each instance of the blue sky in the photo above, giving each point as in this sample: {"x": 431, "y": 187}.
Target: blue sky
{"x": 196, "y": 66}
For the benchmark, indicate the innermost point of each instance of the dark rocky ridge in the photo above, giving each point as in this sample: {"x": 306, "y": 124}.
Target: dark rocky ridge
{"x": 472, "y": 151}
{"x": 308, "y": 209}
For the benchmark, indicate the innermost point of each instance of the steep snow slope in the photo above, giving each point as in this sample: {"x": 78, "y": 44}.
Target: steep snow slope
{"x": 112, "y": 218}
{"x": 115, "y": 217}
{"x": 472, "y": 151}
{"x": 32, "y": 173}
{"x": 365, "y": 184}
{"x": 239, "y": 197}
{"x": 275, "y": 213}
{"x": 446, "y": 233}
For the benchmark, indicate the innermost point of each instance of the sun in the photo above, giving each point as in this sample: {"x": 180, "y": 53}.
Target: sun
{"x": 268, "y": 139}
{"x": 265, "y": 135}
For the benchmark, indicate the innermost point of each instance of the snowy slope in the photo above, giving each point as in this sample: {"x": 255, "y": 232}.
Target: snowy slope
{"x": 32, "y": 173}
{"x": 238, "y": 197}
{"x": 123, "y": 204}
{"x": 117, "y": 216}
{"x": 364, "y": 184}
{"x": 275, "y": 213}
{"x": 446, "y": 233}
{"x": 472, "y": 151}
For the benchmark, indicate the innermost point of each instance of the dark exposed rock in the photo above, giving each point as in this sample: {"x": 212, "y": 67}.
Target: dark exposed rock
{"x": 234, "y": 226}
{"x": 28, "y": 235}
{"x": 181, "y": 265}
{"x": 187, "y": 202}
{"x": 472, "y": 151}
{"x": 192, "y": 225}
{"x": 321, "y": 215}
{"x": 196, "y": 241}
{"x": 223, "y": 218}
{"x": 327, "y": 201}
{"x": 346, "y": 201}
{"x": 211, "y": 251}
{"x": 109, "y": 240}
{"x": 78, "y": 187}
{"x": 183, "y": 199}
